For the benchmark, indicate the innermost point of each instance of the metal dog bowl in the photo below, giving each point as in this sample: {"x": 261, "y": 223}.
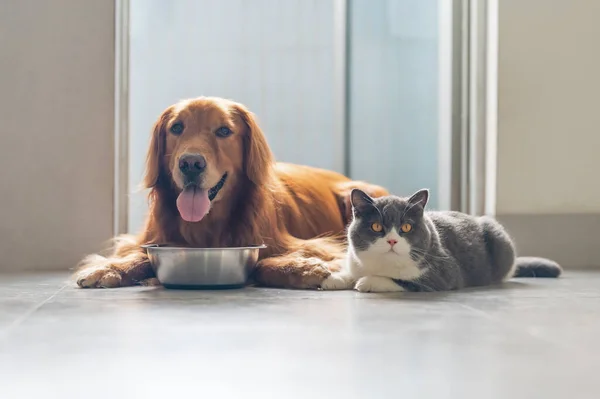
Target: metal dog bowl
{"x": 202, "y": 268}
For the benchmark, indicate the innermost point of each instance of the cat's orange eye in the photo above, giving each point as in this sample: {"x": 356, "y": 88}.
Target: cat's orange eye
{"x": 376, "y": 227}
{"x": 406, "y": 227}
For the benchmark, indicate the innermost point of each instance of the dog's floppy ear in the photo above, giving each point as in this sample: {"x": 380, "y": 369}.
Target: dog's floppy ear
{"x": 258, "y": 158}
{"x": 156, "y": 151}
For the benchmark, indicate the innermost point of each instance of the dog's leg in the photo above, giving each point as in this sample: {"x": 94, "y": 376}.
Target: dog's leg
{"x": 305, "y": 266}
{"x": 291, "y": 271}
{"x": 129, "y": 265}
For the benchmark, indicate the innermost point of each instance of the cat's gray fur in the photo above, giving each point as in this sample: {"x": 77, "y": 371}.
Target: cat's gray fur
{"x": 446, "y": 250}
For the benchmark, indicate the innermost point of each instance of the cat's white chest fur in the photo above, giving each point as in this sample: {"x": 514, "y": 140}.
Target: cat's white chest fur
{"x": 372, "y": 270}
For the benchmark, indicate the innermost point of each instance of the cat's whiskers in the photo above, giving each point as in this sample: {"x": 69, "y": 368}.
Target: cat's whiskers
{"x": 424, "y": 254}
{"x": 416, "y": 256}
{"x": 429, "y": 264}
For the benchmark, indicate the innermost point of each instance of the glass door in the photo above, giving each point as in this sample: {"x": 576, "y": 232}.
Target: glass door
{"x": 400, "y": 95}
{"x": 369, "y": 88}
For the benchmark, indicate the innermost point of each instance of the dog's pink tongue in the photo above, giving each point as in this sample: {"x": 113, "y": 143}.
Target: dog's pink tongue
{"x": 193, "y": 204}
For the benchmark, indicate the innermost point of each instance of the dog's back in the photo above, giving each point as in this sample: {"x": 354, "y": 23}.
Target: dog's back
{"x": 318, "y": 199}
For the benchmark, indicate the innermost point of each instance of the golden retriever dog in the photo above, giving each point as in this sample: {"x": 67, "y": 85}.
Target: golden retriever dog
{"x": 214, "y": 183}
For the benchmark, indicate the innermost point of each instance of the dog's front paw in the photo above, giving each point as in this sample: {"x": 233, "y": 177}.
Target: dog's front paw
{"x": 103, "y": 277}
{"x": 337, "y": 281}
{"x": 150, "y": 282}
{"x": 377, "y": 284}
{"x": 286, "y": 272}
{"x": 312, "y": 273}
{"x": 97, "y": 273}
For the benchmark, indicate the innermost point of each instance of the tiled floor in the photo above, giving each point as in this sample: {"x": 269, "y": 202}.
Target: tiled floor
{"x": 526, "y": 339}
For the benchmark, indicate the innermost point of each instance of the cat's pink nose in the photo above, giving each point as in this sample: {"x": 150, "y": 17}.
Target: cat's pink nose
{"x": 392, "y": 242}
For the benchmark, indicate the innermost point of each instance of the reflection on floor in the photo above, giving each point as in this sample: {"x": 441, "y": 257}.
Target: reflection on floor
{"x": 526, "y": 339}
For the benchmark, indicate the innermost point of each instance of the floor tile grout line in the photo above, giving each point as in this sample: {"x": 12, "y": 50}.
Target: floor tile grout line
{"x": 6, "y": 332}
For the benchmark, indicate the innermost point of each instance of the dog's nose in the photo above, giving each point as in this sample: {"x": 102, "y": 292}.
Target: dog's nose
{"x": 192, "y": 164}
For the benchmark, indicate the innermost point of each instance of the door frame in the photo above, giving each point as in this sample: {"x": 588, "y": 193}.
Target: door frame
{"x": 121, "y": 123}
{"x": 479, "y": 103}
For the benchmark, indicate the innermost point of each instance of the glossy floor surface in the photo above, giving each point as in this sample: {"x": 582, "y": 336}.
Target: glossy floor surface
{"x": 526, "y": 339}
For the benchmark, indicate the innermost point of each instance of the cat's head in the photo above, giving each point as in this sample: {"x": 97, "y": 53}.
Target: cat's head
{"x": 389, "y": 226}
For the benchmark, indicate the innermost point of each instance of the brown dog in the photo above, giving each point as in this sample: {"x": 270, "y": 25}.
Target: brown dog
{"x": 214, "y": 183}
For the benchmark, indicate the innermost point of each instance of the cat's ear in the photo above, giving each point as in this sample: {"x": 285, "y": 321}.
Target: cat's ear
{"x": 361, "y": 202}
{"x": 419, "y": 198}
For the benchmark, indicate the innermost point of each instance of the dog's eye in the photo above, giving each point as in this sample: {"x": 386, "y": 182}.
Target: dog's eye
{"x": 223, "y": 132}
{"x": 177, "y": 128}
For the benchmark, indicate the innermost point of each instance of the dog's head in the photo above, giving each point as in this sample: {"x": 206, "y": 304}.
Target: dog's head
{"x": 206, "y": 149}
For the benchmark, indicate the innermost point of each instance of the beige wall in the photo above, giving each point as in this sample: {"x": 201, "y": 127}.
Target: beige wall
{"x": 549, "y": 107}
{"x": 56, "y": 142}
{"x": 549, "y": 128}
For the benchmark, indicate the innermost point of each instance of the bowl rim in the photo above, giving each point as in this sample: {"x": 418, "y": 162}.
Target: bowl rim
{"x": 166, "y": 247}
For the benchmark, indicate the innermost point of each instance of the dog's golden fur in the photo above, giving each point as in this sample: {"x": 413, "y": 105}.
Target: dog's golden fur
{"x": 299, "y": 212}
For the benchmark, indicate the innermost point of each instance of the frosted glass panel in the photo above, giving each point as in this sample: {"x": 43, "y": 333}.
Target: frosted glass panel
{"x": 274, "y": 56}
{"x": 394, "y": 94}
{"x": 278, "y": 58}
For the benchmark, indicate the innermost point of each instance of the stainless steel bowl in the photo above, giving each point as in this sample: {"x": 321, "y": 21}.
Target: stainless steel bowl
{"x": 203, "y": 268}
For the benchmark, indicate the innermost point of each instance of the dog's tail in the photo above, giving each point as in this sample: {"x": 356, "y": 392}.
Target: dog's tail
{"x": 531, "y": 266}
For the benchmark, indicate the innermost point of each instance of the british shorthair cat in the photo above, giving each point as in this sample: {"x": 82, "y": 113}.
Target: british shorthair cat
{"x": 395, "y": 245}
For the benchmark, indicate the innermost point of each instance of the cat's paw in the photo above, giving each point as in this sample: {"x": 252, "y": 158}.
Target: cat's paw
{"x": 377, "y": 284}
{"x": 337, "y": 281}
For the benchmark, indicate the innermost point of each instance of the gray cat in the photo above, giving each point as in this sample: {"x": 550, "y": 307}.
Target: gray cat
{"x": 395, "y": 245}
